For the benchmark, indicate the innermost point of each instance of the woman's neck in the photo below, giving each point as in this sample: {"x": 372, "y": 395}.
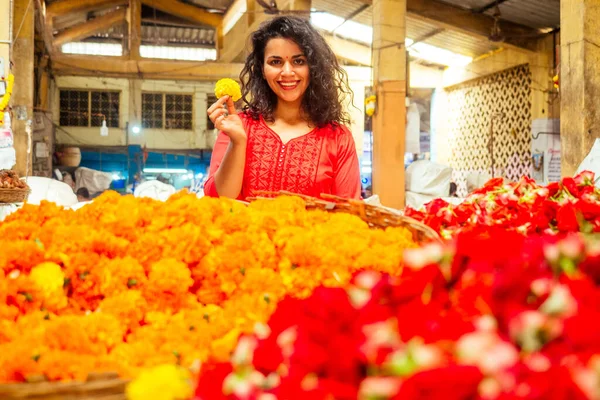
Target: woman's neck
{"x": 290, "y": 113}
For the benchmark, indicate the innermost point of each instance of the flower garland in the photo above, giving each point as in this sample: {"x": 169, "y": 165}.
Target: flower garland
{"x": 572, "y": 205}
{"x": 126, "y": 284}
{"x": 462, "y": 321}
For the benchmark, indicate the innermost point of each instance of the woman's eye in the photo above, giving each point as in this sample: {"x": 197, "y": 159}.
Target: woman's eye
{"x": 274, "y": 62}
{"x": 300, "y": 61}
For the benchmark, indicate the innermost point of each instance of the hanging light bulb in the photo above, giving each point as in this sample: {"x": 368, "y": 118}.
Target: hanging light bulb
{"x": 104, "y": 128}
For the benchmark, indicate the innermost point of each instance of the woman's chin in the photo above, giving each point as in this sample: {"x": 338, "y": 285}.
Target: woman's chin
{"x": 289, "y": 98}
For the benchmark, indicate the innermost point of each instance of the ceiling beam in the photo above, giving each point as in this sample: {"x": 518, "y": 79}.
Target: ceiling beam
{"x": 214, "y": 4}
{"x": 426, "y": 36}
{"x": 488, "y": 6}
{"x": 349, "y": 51}
{"x": 92, "y": 27}
{"x": 121, "y": 67}
{"x": 63, "y": 7}
{"x": 185, "y": 11}
{"x": 458, "y": 19}
{"x": 44, "y": 26}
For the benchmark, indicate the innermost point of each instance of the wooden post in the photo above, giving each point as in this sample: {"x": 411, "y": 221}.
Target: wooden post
{"x": 5, "y": 17}
{"x": 89, "y": 28}
{"x": 135, "y": 29}
{"x": 389, "y": 122}
{"x": 579, "y": 80}
{"x": 44, "y": 83}
{"x": 301, "y": 5}
{"x": 22, "y": 56}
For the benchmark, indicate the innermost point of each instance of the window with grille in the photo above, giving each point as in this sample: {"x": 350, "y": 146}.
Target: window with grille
{"x": 167, "y": 111}
{"x": 152, "y": 110}
{"x": 210, "y": 100}
{"x": 89, "y": 108}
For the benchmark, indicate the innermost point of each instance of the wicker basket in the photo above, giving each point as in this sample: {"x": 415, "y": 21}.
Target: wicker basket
{"x": 14, "y": 195}
{"x": 376, "y": 217}
{"x": 106, "y": 386}
{"x": 110, "y": 387}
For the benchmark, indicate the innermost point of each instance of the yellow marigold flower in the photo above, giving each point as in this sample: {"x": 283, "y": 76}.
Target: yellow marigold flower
{"x": 228, "y": 87}
{"x": 49, "y": 277}
{"x": 165, "y": 382}
{"x": 223, "y": 347}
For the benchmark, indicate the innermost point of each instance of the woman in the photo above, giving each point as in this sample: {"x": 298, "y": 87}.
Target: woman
{"x": 291, "y": 135}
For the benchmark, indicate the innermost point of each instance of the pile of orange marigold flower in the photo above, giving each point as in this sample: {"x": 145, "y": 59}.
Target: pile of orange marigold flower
{"x": 124, "y": 283}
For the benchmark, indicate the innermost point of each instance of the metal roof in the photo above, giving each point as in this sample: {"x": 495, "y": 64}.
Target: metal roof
{"x": 533, "y": 13}
{"x": 166, "y": 35}
{"x": 540, "y": 14}
{"x": 416, "y": 28}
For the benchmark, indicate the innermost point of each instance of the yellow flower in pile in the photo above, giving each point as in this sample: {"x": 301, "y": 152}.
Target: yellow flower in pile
{"x": 228, "y": 87}
{"x": 49, "y": 278}
{"x": 165, "y": 382}
{"x": 223, "y": 347}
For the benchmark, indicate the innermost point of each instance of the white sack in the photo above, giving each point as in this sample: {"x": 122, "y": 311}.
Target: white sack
{"x": 155, "y": 190}
{"x": 417, "y": 200}
{"x": 94, "y": 181}
{"x": 429, "y": 178}
{"x": 592, "y": 162}
{"x": 476, "y": 180}
{"x": 6, "y": 210}
{"x": 50, "y": 190}
{"x": 8, "y": 158}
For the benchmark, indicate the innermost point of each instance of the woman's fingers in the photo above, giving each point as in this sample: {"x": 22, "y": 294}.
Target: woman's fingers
{"x": 219, "y": 122}
{"x": 218, "y": 104}
{"x": 230, "y": 106}
{"x": 216, "y": 114}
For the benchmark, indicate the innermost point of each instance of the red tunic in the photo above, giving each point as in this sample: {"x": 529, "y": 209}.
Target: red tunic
{"x": 323, "y": 161}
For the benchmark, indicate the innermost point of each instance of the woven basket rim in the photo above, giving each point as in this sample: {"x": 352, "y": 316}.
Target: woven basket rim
{"x": 6, "y": 190}
{"x": 379, "y": 216}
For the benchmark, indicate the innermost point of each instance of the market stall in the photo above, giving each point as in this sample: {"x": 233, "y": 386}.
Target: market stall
{"x": 286, "y": 296}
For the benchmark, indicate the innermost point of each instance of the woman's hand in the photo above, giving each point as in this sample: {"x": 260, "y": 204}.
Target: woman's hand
{"x": 227, "y": 121}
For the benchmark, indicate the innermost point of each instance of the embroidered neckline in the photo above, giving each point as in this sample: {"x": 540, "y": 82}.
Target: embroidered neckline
{"x": 272, "y": 132}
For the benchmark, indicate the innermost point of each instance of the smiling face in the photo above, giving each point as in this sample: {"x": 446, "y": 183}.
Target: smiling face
{"x": 286, "y": 70}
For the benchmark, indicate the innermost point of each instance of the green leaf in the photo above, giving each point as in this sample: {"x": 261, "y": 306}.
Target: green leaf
{"x": 568, "y": 266}
{"x": 28, "y": 296}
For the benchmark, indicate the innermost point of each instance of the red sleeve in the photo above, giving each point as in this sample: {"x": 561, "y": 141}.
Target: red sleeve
{"x": 218, "y": 152}
{"x": 347, "y": 170}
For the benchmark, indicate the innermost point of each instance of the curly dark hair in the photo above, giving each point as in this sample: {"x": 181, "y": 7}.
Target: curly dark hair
{"x": 328, "y": 88}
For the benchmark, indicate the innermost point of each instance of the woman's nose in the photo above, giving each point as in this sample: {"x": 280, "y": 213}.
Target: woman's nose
{"x": 287, "y": 68}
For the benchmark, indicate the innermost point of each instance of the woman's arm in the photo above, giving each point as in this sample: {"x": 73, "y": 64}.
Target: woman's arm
{"x": 229, "y": 153}
{"x": 347, "y": 169}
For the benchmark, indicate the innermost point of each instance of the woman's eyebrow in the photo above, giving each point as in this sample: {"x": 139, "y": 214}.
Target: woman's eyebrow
{"x": 293, "y": 57}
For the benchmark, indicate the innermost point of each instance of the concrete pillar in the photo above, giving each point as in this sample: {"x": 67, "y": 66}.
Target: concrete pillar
{"x": 135, "y": 103}
{"x": 5, "y": 14}
{"x": 389, "y": 122}
{"x": 579, "y": 80}
{"x": 134, "y": 19}
{"x": 22, "y": 55}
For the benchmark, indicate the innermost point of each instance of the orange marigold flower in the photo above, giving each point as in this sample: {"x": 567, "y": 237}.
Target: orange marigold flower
{"x": 121, "y": 274}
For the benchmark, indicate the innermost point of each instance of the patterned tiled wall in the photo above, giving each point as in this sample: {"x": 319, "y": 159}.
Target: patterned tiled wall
{"x": 505, "y": 96}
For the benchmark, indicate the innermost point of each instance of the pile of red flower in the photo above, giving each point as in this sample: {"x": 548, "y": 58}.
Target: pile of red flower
{"x": 463, "y": 321}
{"x": 572, "y": 205}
